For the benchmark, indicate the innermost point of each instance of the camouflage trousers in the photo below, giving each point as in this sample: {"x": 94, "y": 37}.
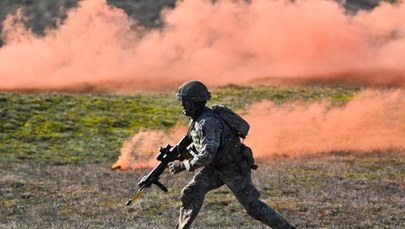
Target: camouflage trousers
{"x": 243, "y": 189}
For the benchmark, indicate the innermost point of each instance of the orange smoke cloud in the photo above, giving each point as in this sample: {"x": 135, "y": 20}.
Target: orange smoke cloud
{"x": 140, "y": 150}
{"x": 99, "y": 46}
{"x": 371, "y": 121}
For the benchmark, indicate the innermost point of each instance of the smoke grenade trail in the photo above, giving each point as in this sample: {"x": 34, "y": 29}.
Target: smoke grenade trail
{"x": 371, "y": 121}
{"x": 140, "y": 150}
{"x": 98, "y": 47}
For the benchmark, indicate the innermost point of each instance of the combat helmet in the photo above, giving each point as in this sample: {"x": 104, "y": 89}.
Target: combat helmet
{"x": 194, "y": 91}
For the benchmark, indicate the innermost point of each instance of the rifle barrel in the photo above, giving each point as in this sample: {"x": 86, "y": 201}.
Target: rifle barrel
{"x": 135, "y": 195}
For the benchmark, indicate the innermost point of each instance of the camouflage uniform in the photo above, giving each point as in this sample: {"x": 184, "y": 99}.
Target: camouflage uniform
{"x": 217, "y": 150}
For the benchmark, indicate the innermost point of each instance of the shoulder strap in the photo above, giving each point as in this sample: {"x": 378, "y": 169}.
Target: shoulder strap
{"x": 190, "y": 128}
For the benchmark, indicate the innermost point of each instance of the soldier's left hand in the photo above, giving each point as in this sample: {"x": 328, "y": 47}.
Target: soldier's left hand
{"x": 176, "y": 167}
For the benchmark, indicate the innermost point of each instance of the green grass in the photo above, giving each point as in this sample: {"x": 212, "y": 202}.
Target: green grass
{"x": 65, "y": 128}
{"x": 238, "y": 97}
{"x": 60, "y": 128}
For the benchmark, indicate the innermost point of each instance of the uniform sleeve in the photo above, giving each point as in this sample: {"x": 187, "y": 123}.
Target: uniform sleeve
{"x": 209, "y": 132}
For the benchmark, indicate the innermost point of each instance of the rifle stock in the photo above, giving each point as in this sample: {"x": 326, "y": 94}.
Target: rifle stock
{"x": 166, "y": 155}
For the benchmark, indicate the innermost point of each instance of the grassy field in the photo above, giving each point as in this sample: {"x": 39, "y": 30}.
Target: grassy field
{"x": 56, "y": 150}
{"x": 60, "y": 128}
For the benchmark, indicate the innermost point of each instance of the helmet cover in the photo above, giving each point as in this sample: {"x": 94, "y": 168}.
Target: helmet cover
{"x": 194, "y": 91}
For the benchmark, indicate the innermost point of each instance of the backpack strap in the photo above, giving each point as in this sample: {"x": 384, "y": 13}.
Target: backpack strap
{"x": 190, "y": 128}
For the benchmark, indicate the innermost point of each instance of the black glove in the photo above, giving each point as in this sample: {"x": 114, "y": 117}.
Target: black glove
{"x": 176, "y": 167}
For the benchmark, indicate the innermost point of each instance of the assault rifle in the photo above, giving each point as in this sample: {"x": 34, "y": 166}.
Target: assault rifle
{"x": 166, "y": 155}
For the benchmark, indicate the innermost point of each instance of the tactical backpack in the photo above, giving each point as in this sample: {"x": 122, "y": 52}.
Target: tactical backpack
{"x": 237, "y": 124}
{"x": 241, "y": 128}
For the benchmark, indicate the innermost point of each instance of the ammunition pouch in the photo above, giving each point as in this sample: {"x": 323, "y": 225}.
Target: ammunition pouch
{"x": 242, "y": 158}
{"x": 247, "y": 156}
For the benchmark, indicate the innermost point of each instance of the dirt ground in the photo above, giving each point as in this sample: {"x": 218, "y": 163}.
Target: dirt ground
{"x": 334, "y": 190}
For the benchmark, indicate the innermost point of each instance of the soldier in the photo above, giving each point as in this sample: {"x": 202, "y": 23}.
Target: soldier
{"x": 218, "y": 150}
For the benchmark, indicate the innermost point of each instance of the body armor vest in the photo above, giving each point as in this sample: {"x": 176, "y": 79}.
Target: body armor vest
{"x": 230, "y": 143}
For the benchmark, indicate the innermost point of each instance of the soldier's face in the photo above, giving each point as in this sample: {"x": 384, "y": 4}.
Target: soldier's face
{"x": 188, "y": 107}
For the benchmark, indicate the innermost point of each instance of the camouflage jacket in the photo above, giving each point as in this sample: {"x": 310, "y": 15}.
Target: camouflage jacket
{"x": 213, "y": 142}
